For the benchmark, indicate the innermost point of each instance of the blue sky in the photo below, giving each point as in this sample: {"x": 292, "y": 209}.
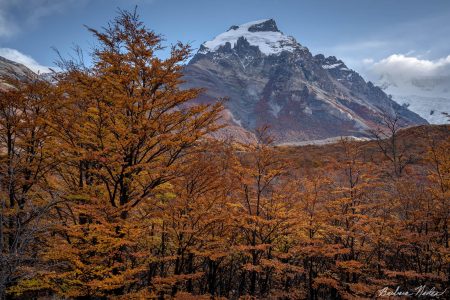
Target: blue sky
{"x": 396, "y": 38}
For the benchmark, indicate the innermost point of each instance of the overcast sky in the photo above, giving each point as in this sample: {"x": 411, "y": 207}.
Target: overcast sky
{"x": 400, "y": 41}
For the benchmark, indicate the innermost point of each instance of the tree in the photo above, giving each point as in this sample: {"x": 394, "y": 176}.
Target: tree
{"x": 123, "y": 128}
{"x": 192, "y": 226}
{"x": 26, "y": 165}
{"x": 308, "y": 247}
{"x": 390, "y": 146}
{"x": 263, "y": 215}
{"x": 350, "y": 214}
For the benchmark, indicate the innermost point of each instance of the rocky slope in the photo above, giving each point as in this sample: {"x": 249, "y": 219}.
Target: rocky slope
{"x": 11, "y": 68}
{"x": 269, "y": 78}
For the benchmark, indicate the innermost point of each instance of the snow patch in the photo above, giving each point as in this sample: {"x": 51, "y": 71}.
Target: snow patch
{"x": 327, "y": 67}
{"x": 275, "y": 109}
{"x": 238, "y": 122}
{"x": 307, "y": 110}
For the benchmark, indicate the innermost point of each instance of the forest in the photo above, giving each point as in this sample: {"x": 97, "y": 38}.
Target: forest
{"x": 112, "y": 186}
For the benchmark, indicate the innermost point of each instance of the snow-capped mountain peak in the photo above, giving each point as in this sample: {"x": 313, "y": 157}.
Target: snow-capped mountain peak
{"x": 263, "y": 33}
{"x": 268, "y": 78}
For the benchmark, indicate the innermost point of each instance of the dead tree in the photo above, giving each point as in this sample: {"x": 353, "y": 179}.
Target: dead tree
{"x": 389, "y": 144}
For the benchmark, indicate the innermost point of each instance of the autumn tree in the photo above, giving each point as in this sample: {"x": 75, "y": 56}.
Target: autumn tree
{"x": 308, "y": 248}
{"x": 439, "y": 175}
{"x": 123, "y": 128}
{"x": 26, "y": 163}
{"x": 262, "y": 215}
{"x": 191, "y": 224}
{"x": 350, "y": 213}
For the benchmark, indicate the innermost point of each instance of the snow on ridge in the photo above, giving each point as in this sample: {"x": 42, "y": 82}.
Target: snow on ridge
{"x": 268, "y": 42}
{"x": 333, "y": 66}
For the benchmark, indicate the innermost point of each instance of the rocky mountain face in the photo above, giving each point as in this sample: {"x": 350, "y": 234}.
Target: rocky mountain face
{"x": 11, "y": 68}
{"x": 270, "y": 79}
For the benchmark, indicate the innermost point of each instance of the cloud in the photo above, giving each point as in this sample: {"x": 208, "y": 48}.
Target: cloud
{"x": 16, "y": 14}
{"x": 28, "y": 61}
{"x": 399, "y": 64}
{"x": 411, "y": 74}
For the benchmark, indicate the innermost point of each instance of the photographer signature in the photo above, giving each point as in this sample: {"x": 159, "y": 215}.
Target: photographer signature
{"x": 420, "y": 291}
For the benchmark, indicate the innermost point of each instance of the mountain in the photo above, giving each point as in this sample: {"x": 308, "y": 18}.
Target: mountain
{"x": 269, "y": 78}
{"x": 13, "y": 69}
